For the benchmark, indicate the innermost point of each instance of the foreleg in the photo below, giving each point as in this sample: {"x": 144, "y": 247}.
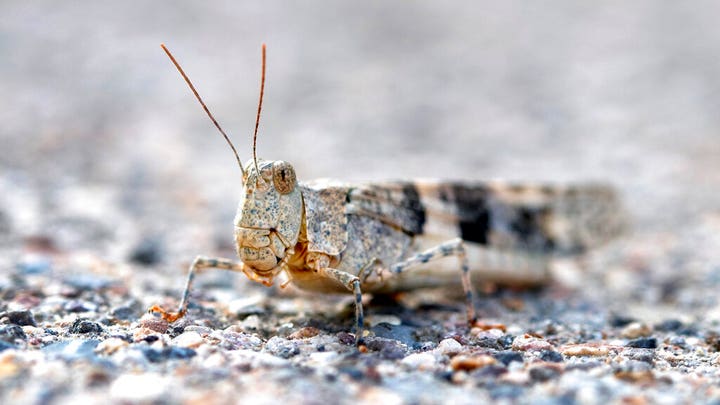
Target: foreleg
{"x": 200, "y": 263}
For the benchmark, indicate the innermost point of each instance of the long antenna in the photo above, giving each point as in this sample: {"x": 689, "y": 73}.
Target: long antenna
{"x": 257, "y": 119}
{"x": 187, "y": 80}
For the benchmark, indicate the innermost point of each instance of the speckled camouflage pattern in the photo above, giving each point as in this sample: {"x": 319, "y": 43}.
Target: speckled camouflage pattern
{"x": 511, "y": 232}
{"x": 333, "y": 237}
{"x": 325, "y": 219}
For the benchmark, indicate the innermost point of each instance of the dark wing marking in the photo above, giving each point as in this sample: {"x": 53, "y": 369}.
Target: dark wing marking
{"x": 543, "y": 219}
{"x": 469, "y": 204}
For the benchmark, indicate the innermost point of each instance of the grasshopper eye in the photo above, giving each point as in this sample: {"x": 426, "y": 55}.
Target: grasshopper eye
{"x": 283, "y": 177}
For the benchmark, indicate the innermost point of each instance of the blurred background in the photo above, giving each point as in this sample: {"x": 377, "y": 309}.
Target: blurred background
{"x": 112, "y": 180}
{"x": 104, "y": 149}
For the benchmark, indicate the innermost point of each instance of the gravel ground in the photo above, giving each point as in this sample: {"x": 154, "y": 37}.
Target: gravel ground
{"x": 112, "y": 180}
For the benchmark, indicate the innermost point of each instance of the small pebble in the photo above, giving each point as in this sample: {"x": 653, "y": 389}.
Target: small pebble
{"x": 11, "y": 333}
{"x": 508, "y": 356}
{"x": 551, "y": 356}
{"x": 643, "y": 343}
{"x": 33, "y": 331}
{"x": 449, "y": 347}
{"x": 346, "y": 338}
{"x": 506, "y": 341}
{"x": 141, "y": 334}
{"x": 82, "y": 326}
{"x": 488, "y": 342}
{"x": 544, "y": 372}
{"x": 154, "y": 323}
{"x": 251, "y": 323}
{"x": 635, "y": 330}
{"x": 488, "y": 375}
{"x": 713, "y": 340}
{"x": 377, "y": 319}
{"x": 249, "y": 359}
{"x": 22, "y": 317}
{"x": 420, "y": 361}
{"x": 585, "y": 350}
{"x": 401, "y": 333}
{"x": 282, "y": 348}
{"x": 469, "y": 363}
{"x": 481, "y": 326}
{"x": 459, "y": 377}
{"x": 202, "y": 330}
{"x": 389, "y": 349}
{"x": 304, "y": 333}
{"x": 619, "y": 321}
{"x": 644, "y": 355}
{"x": 110, "y": 346}
{"x": 531, "y": 343}
{"x": 189, "y": 339}
{"x": 677, "y": 341}
{"x": 234, "y": 341}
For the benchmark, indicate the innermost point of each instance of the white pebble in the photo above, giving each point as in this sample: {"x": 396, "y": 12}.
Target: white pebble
{"x": 448, "y": 347}
{"x": 420, "y": 361}
{"x": 373, "y": 320}
{"x": 139, "y": 387}
{"x": 252, "y": 322}
{"x": 190, "y": 339}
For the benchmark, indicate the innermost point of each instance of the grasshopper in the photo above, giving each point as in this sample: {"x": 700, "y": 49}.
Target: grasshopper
{"x": 333, "y": 237}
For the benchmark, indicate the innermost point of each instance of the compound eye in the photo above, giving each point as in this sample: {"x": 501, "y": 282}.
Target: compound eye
{"x": 283, "y": 177}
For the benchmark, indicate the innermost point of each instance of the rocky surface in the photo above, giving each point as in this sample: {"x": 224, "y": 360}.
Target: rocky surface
{"x": 111, "y": 181}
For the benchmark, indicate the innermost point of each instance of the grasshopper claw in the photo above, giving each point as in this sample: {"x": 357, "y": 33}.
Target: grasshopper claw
{"x": 168, "y": 316}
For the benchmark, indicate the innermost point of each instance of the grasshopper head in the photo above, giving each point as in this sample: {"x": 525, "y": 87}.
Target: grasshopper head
{"x": 268, "y": 219}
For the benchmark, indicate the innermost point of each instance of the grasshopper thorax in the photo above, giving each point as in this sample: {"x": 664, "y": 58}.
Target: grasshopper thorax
{"x": 267, "y": 224}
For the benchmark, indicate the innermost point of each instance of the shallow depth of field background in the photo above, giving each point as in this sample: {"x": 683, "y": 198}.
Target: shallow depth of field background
{"x": 624, "y": 93}
{"x": 104, "y": 148}
{"x": 112, "y": 180}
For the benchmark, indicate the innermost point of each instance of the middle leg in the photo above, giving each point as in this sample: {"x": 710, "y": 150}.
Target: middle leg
{"x": 453, "y": 247}
{"x": 352, "y": 283}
